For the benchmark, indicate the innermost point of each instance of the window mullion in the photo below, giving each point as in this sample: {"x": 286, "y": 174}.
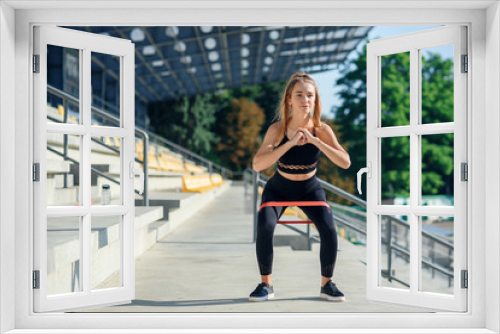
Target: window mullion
{"x": 415, "y": 250}
{"x": 85, "y": 167}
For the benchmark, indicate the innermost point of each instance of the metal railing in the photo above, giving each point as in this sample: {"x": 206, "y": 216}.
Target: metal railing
{"x": 66, "y": 100}
{"x": 147, "y": 137}
{"x": 189, "y": 156}
{"x": 392, "y": 247}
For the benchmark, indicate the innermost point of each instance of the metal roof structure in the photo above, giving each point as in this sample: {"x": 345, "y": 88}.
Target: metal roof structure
{"x": 173, "y": 61}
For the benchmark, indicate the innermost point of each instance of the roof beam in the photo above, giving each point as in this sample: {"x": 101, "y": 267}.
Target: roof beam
{"x": 205, "y": 59}
{"x": 224, "y": 50}
{"x": 113, "y": 74}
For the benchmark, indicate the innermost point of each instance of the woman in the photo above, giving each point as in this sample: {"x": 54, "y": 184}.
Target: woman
{"x": 295, "y": 142}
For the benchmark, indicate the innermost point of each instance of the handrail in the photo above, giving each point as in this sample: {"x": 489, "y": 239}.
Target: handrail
{"x": 342, "y": 193}
{"x": 185, "y": 152}
{"x": 67, "y": 97}
{"x": 98, "y": 172}
{"x": 144, "y": 134}
{"x": 94, "y": 170}
{"x": 260, "y": 180}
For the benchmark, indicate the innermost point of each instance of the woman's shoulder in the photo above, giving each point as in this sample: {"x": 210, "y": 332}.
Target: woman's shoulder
{"x": 275, "y": 126}
{"x": 322, "y": 126}
{"x": 275, "y": 131}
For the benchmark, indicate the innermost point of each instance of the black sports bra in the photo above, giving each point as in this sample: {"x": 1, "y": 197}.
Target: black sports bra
{"x": 299, "y": 159}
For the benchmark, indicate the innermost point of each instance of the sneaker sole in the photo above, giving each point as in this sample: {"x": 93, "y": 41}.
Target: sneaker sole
{"x": 330, "y": 298}
{"x": 261, "y": 299}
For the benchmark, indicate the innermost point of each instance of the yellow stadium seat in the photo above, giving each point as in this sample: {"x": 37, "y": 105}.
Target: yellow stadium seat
{"x": 138, "y": 148}
{"x": 107, "y": 141}
{"x": 194, "y": 168}
{"x": 217, "y": 180}
{"x": 196, "y": 183}
{"x": 153, "y": 162}
{"x": 171, "y": 165}
{"x": 60, "y": 109}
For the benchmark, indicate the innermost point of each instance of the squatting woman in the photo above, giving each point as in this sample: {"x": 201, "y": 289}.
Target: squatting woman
{"x": 295, "y": 143}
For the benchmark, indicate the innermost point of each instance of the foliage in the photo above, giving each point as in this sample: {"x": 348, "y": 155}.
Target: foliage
{"x": 186, "y": 121}
{"x": 330, "y": 173}
{"x": 267, "y": 96}
{"x": 201, "y": 123}
{"x": 241, "y": 141}
{"x": 437, "y": 106}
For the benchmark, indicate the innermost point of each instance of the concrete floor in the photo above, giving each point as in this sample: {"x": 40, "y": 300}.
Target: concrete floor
{"x": 208, "y": 264}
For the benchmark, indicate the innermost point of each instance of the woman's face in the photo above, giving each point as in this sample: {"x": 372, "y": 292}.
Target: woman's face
{"x": 302, "y": 98}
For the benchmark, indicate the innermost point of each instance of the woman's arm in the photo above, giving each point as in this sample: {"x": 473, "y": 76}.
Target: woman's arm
{"x": 266, "y": 156}
{"x": 327, "y": 142}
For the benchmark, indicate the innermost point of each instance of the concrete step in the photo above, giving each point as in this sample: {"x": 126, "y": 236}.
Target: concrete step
{"x": 64, "y": 244}
{"x": 173, "y": 200}
{"x": 167, "y": 199}
{"x": 63, "y": 247}
{"x": 56, "y": 166}
{"x": 190, "y": 205}
{"x": 59, "y": 181}
{"x": 149, "y": 231}
{"x": 61, "y": 196}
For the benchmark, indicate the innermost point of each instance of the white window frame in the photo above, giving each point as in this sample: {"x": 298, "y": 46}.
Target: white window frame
{"x": 413, "y": 44}
{"x": 85, "y": 43}
{"x": 483, "y": 102}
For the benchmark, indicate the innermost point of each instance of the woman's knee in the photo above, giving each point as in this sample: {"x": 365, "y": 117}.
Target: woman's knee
{"x": 327, "y": 230}
{"x": 266, "y": 221}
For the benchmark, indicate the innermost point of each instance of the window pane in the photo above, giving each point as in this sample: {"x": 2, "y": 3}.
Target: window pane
{"x": 106, "y": 161}
{"x": 62, "y": 172}
{"x": 105, "y": 81}
{"x": 437, "y": 84}
{"x": 395, "y": 170}
{"x": 63, "y": 85}
{"x": 395, "y": 91}
{"x": 437, "y": 254}
{"x": 63, "y": 255}
{"x": 437, "y": 170}
{"x": 394, "y": 252}
{"x": 106, "y": 252}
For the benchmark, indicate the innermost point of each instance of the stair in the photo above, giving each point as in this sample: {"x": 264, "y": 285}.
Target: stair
{"x": 63, "y": 255}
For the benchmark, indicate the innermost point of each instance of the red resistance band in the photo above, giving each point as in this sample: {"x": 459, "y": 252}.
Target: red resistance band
{"x": 296, "y": 203}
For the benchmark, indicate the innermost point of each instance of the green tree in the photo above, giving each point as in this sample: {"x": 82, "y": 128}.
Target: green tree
{"x": 330, "y": 173}
{"x": 242, "y": 127}
{"x": 200, "y": 123}
{"x": 350, "y": 115}
{"x": 187, "y": 121}
{"x": 437, "y": 106}
{"x": 267, "y": 96}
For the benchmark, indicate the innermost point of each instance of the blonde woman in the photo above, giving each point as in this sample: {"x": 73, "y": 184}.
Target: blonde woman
{"x": 295, "y": 142}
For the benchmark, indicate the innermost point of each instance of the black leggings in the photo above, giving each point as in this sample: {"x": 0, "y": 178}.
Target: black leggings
{"x": 279, "y": 188}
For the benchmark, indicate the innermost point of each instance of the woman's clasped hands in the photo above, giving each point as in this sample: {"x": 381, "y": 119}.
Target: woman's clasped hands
{"x": 303, "y": 136}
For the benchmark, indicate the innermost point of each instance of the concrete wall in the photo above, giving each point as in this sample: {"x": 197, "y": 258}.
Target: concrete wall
{"x": 7, "y": 184}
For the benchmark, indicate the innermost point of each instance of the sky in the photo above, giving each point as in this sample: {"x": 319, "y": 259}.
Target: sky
{"x": 326, "y": 80}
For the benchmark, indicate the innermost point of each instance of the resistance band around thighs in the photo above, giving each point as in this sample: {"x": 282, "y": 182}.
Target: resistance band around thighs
{"x": 294, "y": 203}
